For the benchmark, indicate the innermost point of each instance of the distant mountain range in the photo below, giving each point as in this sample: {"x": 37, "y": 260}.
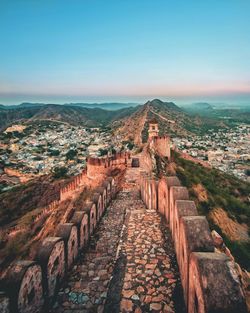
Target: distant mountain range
{"x": 74, "y": 115}
{"x": 199, "y": 107}
{"x": 112, "y": 106}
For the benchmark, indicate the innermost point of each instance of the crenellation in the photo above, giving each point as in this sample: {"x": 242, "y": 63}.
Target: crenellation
{"x": 214, "y": 286}
{"x": 182, "y": 208}
{"x": 203, "y": 271}
{"x": 164, "y": 185}
{"x": 81, "y": 220}
{"x": 97, "y": 199}
{"x": 194, "y": 235}
{"x": 51, "y": 257}
{"x": 68, "y": 231}
{"x": 91, "y": 211}
{"x": 23, "y": 285}
{"x": 175, "y": 193}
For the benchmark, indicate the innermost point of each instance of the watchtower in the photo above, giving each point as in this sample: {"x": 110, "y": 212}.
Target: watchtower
{"x": 153, "y": 130}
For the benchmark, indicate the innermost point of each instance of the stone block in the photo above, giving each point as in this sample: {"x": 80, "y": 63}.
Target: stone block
{"x": 81, "y": 220}
{"x": 51, "y": 257}
{"x": 175, "y": 193}
{"x": 194, "y": 236}
{"x": 90, "y": 209}
{"x": 68, "y": 232}
{"x": 214, "y": 286}
{"x": 163, "y": 194}
{"x": 182, "y": 208}
{"x": 23, "y": 285}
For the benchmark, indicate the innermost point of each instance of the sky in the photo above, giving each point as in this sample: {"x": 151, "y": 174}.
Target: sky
{"x": 124, "y": 50}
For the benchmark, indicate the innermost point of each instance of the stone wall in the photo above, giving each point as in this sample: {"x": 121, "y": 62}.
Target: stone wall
{"x": 209, "y": 279}
{"x": 161, "y": 146}
{"x": 98, "y": 168}
{"x": 30, "y": 286}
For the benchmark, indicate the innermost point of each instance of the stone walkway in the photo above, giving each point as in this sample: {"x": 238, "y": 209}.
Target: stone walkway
{"x": 130, "y": 266}
{"x": 87, "y": 284}
{"x": 151, "y": 281}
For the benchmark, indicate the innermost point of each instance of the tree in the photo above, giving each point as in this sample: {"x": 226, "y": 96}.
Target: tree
{"x": 102, "y": 152}
{"x": 59, "y": 172}
{"x": 71, "y": 154}
{"x": 247, "y": 172}
{"x": 54, "y": 152}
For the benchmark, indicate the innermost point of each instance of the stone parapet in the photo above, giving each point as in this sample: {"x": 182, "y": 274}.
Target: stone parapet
{"x": 209, "y": 280}
{"x": 31, "y": 286}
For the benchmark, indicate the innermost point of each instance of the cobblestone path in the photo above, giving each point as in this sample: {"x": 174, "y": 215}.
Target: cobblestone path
{"x": 151, "y": 281}
{"x": 130, "y": 265}
{"x": 86, "y": 287}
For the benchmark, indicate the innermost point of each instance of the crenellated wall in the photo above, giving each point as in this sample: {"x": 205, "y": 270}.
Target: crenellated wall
{"x": 30, "y": 286}
{"x": 209, "y": 279}
{"x": 98, "y": 168}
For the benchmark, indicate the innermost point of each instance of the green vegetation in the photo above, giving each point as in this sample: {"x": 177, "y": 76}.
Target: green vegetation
{"x": 102, "y": 152}
{"x": 71, "y": 154}
{"x": 59, "y": 172}
{"x": 223, "y": 191}
{"x": 54, "y": 152}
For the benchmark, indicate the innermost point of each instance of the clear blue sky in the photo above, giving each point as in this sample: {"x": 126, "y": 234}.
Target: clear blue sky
{"x": 127, "y": 50}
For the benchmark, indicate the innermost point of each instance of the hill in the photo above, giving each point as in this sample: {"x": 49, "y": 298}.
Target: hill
{"x": 172, "y": 120}
{"x": 112, "y": 106}
{"x": 73, "y": 115}
{"x": 199, "y": 108}
{"x": 229, "y": 114}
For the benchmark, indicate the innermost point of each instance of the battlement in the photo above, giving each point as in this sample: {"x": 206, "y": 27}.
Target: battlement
{"x": 209, "y": 279}
{"x": 98, "y": 168}
{"x": 31, "y": 285}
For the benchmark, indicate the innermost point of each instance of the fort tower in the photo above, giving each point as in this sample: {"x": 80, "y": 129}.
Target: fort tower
{"x": 153, "y": 130}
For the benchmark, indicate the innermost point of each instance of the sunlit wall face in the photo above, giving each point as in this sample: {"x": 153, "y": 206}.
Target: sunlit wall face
{"x": 56, "y": 51}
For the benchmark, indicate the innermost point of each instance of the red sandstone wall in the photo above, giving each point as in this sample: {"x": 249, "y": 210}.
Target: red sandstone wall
{"x": 62, "y": 248}
{"x": 161, "y": 145}
{"x": 209, "y": 280}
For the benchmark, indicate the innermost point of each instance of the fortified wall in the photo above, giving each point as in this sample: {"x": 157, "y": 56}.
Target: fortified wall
{"x": 161, "y": 146}
{"x": 29, "y": 286}
{"x": 96, "y": 171}
{"x": 209, "y": 279}
{"x": 97, "y": 168}
{"x": 158, "y": 144}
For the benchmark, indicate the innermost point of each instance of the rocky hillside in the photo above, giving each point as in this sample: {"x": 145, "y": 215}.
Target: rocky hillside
{"x": 172, "y": 120}
{"x": 131, "y": 123}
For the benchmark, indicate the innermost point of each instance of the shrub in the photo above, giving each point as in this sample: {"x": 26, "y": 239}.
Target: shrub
{"x": 59, "y": 172}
